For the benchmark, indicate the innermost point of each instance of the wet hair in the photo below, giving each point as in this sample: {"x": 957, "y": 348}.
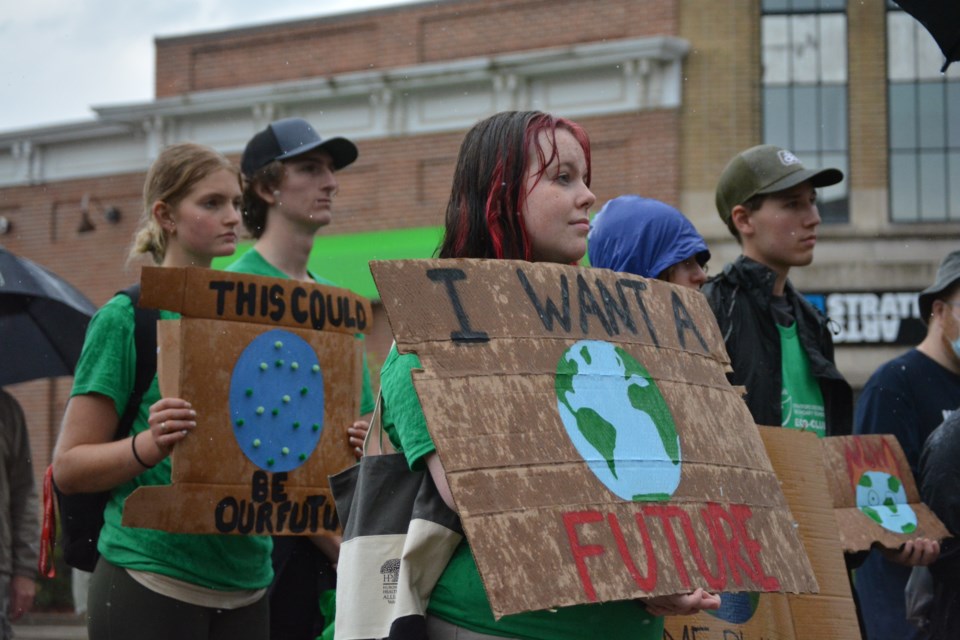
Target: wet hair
{"x": 171, "y": 177}
{"x": 489, "y": 183}
{"x": 255, "y": 208}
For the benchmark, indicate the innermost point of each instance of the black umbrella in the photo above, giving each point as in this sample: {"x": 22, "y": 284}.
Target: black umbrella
{"x": 942, "y": 20}
{"x": 43, "y": 320}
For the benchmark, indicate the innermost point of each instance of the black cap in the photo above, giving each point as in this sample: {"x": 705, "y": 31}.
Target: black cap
{"x": 947, "y": 274}
{"x": 289, "y": 138}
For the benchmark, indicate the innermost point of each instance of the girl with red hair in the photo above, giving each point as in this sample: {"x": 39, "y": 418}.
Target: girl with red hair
{"x": 521, "y": 190}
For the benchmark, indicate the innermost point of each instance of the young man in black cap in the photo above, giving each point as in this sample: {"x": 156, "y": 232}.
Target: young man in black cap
{"x": 909, "y": 397}
{"x": 290, "y": 183}
{"x": 780, "y": 347}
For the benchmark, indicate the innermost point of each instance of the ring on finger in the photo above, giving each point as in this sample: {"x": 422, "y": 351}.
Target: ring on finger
{"x": 163, "y": 426}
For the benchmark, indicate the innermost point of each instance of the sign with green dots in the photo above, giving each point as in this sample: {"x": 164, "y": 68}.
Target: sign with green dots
{"x": 274, "y": 372}
{"x": 276, "y": 401}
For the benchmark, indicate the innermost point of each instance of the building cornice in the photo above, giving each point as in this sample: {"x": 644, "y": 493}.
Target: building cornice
{"x": 575, "y": 81}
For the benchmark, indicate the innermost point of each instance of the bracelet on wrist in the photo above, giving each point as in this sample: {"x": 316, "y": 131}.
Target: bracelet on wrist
{"x": 133, "y": 445}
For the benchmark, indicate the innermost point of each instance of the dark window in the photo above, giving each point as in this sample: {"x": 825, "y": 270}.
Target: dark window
{"x": 923, "y": 124}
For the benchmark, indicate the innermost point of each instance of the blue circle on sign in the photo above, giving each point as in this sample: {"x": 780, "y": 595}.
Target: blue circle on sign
{"x": 276, "y": 401}
{"x": 737, "y": 608}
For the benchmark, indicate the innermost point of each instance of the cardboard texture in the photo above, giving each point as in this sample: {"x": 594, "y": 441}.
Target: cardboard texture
{"x": 798, "y": 462}
{"x": 273, "y": 397}
{"x": 875, "y": 497}
{"x": 593, "y": 446}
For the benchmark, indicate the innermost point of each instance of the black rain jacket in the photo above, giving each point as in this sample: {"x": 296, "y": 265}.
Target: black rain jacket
{"x": 740, "y": 298}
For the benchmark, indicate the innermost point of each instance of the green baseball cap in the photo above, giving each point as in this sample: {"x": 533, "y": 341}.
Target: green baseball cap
{"x": 765, "y": 169}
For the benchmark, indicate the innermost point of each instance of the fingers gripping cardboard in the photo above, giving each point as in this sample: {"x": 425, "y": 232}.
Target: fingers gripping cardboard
{"x": 593, "y": 445}
{"x": 273, "y": 370}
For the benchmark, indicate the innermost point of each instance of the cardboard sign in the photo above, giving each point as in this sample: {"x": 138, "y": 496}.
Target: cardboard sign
{"x": 798, "y": 462}
{"x": 593, "y": 445}
{"x": 274, "y": 372}
{"x": 875, "y": 497}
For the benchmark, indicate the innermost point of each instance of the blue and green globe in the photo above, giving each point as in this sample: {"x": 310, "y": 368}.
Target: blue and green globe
{"x": 618, "y": 421}
{"x": 881, "y": 497}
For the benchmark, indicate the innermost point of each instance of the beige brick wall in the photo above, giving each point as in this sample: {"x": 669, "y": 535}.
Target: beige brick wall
{"x": 867, "y": 60}
{"x": 867, "y": 94}
{"x": 721, "y": 98}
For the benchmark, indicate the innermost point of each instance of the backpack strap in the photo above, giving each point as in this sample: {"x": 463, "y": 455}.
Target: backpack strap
{"x": 48, "y": 527}
{"x": 82, "y": 514}
{"x": 145, "y": 341}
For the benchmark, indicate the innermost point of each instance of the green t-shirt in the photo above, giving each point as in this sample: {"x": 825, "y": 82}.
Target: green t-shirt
{"x": 459, "y": 597}
{"x": 254, "y": 263}
{"x": 801, "y": 400}
{"x": 226, "y": 562}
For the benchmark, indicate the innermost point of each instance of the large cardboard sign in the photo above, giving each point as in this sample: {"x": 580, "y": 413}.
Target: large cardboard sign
{"x": 273, "y": 369}
{"x": 875, "y": 497}
{"x": 798, "y": 462}
{"x": 593, "y": 445}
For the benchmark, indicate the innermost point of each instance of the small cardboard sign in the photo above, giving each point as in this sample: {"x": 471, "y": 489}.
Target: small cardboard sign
{"x": 875, "y": 497}
{"x": 798, "y": 462}
{"x": 274, "y": 371}
{"x": 584, "y": 416}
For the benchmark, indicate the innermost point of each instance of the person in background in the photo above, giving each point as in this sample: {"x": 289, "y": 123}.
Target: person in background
{"x": 290, "y": 183}
{"x": 19, "y": 522}
{"x": 909, "y": 397}
{"x": 521, "y": 190}
{"x": 939, "y": 480}
{"x": 648, "y": 238}
{"x": 780, "y": 346}
{"x": 150, "y": 584}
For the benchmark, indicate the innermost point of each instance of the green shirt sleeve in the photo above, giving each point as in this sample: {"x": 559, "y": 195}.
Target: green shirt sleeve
{"x": 401, "y": 413}
{"x": 367, "y": 401}
{"x": 108, "y": 362}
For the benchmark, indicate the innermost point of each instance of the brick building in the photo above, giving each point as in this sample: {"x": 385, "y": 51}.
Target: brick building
{"x": 667, "y": 89}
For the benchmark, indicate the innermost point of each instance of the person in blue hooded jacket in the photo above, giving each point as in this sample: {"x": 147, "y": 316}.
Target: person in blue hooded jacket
{"x": 649, "y": 238}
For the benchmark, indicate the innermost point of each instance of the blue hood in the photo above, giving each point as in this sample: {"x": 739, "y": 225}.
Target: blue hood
{"x": 642, "y": 236}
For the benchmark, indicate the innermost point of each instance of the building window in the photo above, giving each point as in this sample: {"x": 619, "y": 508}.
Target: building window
{"x": 923, "y": 120}
{"x": 805, "y": 88}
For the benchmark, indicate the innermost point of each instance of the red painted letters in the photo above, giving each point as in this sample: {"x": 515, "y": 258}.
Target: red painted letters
{"x": 736, "y": 555}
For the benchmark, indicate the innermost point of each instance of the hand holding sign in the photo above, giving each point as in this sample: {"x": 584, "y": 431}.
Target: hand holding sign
{"x": 271, "y": 363}
{"x": 683, "y": 604}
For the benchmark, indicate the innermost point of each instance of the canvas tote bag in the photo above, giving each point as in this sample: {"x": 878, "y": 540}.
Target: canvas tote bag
{"x": 398, "y": 536}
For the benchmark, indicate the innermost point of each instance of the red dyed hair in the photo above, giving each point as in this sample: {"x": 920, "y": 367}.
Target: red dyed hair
{"x": 489, "y": 184}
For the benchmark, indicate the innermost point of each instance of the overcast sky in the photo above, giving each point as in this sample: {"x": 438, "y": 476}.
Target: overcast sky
{"x": 59, "y": 58}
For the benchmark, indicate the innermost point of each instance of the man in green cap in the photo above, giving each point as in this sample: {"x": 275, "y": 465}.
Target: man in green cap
{"x": 780, "y": 347}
